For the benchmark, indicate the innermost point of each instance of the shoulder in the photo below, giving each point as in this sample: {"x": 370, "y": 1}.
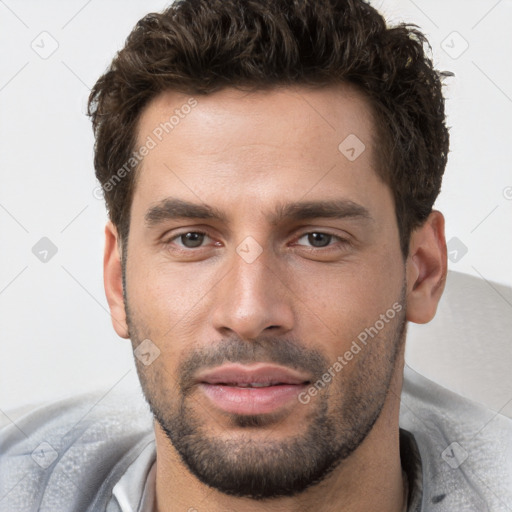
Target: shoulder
{"x": 465, "y": 449}
{"x": 58, "y": 455}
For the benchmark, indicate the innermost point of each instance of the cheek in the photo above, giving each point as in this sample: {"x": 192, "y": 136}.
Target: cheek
{"x": 332, "y": 303}
{"x": 170, "y": 300}
{"x": 338, "y": 303}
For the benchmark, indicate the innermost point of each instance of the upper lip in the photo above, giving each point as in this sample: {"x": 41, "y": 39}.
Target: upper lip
{"x": 260, "y": 373}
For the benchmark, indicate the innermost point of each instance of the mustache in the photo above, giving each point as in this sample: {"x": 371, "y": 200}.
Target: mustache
{"x": 287, "y": 352}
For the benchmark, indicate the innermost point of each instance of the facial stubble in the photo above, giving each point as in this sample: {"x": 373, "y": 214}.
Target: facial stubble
{"x": 337, "y": 421}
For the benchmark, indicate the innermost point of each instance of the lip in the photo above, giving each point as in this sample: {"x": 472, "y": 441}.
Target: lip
{"x": 227, "y": 387}
{"x": 261, "y": 373}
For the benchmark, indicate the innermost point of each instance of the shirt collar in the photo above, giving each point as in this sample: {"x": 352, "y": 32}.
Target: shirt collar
{"x": 411, "y": 464}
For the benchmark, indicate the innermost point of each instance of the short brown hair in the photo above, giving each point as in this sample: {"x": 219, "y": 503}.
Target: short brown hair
{"x": 201, "y": 46}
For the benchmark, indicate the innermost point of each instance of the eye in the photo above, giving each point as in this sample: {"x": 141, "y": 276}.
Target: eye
{"x": 318, "y": 239}
{"x": 189, "y": 239}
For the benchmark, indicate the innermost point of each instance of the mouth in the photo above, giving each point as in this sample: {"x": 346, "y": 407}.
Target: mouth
{"x": 256, "y": 389}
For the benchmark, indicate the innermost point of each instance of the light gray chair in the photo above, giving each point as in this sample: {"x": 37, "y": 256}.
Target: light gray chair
{"x": 467, "y": 348}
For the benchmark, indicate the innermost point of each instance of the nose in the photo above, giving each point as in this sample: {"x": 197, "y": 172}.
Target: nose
{"x": 252, "y": 300}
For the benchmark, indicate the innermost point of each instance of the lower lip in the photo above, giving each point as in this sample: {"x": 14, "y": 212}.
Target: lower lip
{"x": 236, "y": 400}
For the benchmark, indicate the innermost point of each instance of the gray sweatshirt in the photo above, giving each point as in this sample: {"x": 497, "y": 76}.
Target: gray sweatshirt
{"x": 96, "y": 453}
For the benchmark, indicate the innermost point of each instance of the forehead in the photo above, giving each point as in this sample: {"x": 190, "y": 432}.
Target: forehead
{"x": 310, "y": 112}
{"x": 294, "y": 141}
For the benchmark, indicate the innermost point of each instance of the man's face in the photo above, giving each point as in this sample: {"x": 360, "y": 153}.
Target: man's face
{"x": 276, "y": 251}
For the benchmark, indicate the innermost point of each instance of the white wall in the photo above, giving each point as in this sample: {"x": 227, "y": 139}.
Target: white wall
{"x": 55, "y": 332}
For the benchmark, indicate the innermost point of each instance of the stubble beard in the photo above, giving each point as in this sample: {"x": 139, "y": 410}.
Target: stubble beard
{"x": 338, "y": 420}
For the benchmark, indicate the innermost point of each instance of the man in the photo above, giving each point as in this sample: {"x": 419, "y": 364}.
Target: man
{"x": 269, "y": 169}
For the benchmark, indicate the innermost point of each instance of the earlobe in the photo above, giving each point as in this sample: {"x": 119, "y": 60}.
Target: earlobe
{"x": 426, "y": 269}
{"x": 113, "y": 281}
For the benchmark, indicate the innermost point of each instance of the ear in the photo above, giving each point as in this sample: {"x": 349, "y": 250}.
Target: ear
{"x": 113, "y": 280}
{"x": 426, "y": 269}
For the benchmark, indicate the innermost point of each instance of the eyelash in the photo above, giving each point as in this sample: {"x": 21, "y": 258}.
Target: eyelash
{"x": 341, "y": 241}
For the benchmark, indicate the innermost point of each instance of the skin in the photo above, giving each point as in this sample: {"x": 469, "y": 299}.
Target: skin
{"x": 244, "y": 154}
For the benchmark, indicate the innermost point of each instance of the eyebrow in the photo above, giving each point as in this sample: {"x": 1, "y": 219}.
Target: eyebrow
{"x": 328, "y": 209}
{"x": 173, "y": 208}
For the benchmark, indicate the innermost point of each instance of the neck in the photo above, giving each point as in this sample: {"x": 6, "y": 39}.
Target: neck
{"x": 369, "y": 479}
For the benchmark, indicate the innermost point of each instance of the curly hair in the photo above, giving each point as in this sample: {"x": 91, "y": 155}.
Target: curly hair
{"x": 201, "y": 46}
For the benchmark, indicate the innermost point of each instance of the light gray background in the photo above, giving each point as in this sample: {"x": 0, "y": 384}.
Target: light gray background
{"x": 55, "y": 331}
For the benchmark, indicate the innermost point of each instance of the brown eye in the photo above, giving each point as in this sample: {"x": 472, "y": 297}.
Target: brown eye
{"x": 191, "y": 239}
{"x": 317, "y": 239}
